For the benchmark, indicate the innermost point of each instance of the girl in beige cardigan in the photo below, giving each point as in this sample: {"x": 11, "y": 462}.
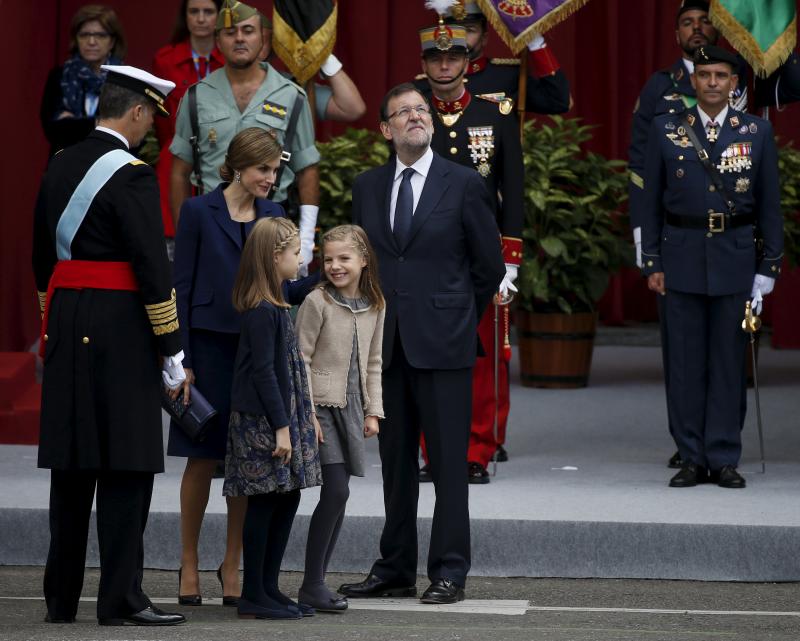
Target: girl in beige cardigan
{"x": 340, "y": 333}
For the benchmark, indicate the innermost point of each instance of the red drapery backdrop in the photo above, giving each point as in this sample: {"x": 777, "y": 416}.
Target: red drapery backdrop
{"x": 608, "y": 49}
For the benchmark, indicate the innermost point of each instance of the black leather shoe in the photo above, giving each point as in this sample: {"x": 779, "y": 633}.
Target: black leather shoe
{"x": 187, "y": 599}
{"x": 326, "y": 605}
{"x": 675, "y": 461}
{"x": 375, "y": 586}
{"x": 500, "y": 455}
{"x": 58, "y": 619}
{"x": 690, "y": 475}
{"x": 477, "y": 474}
{"x": 729, "y": 477}
{"x": 231, "y": 601}
{"x": 149, "y": 616}
{"x": 425, "y": 474}
{"x": 443, "y": 591}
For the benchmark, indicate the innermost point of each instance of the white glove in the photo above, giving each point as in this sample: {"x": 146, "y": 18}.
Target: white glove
{"x": 308, "y": 223}
{"x": 637, "y": 240}
{"x": 507, "y": 283}
{"x": 762, "y": 285}
{"x": 331, "y": 66}
{"x": 173, "y": 373}
{"x": 537, "y": 43}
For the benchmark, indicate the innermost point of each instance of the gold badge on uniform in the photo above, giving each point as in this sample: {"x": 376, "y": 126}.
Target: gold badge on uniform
{"x": 681, "y": 131}
{"x": 481, "y": 148}
{"x": 506, "y": 106}
{"x": 742, "y": 185}
{"x": 690, "y": 119}
{"x": 212, "y": 137}
{"x": 274, "y": 109}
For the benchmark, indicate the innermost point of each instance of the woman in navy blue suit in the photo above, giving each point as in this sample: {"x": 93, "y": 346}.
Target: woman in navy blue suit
{"x": 209, "y": 241}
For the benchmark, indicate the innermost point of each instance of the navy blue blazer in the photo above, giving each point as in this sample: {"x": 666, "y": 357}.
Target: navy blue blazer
{"x": 208, "y": 247}
{"x": 698, "y": 261}
{"x": 438, "y": 284}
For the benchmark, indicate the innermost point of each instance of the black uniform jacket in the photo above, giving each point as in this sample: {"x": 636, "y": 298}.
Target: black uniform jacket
{"x": 439, "y": 283}
{"x": 101, "y": 386}
{"x": 482, "y": 130}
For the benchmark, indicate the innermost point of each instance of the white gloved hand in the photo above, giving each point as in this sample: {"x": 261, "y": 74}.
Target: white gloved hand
{"x": 172, "y": 371}
{"x": 637, "y": 240}
{"x": 762, "y": 285}
{"x": 308, "y": 223}
{"x": 507, "y": 284}
{"x": 331, "y": 66}
{"x": 537, "y": 43}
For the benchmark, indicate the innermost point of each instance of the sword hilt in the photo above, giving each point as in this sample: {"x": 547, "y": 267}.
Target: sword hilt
{"x": 751, "y": 323}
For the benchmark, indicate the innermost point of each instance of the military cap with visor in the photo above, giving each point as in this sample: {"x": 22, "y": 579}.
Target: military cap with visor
{"x": 141, "y": 82}
{"x": 711, "y": 54}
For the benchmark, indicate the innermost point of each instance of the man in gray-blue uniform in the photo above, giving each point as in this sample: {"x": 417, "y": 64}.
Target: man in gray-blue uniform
{"x": 705, "y": 202}
{"x": 247, "y": 93}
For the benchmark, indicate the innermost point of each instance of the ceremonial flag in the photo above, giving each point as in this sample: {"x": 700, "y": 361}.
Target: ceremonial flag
{"x": 518, "y": 21}
{"x": 763, "y": 32}
{"x": 304, "y": 34}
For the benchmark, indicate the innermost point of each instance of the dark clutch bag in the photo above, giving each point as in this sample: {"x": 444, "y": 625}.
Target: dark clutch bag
{"x": 195, "y": 418}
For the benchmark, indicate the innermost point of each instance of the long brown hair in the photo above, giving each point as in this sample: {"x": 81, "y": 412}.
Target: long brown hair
{"x": 109, "y": 21}
{"x": 257, "y": 278}
{"x": 180, "y": 31}
{"x": 369, "y": 281}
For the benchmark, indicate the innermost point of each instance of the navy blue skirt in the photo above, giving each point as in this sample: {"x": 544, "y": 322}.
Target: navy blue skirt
{"x": 213, "y": 359}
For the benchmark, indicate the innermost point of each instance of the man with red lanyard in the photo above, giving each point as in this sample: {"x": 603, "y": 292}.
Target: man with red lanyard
{"x": 108, "y": 313}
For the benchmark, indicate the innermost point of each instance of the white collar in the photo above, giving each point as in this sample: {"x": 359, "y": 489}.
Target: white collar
{"x": 689, "y": 64}
{"x": 116, "y": 134}
{"x": 705, "y": 118}
{"x": 421, "y": 166}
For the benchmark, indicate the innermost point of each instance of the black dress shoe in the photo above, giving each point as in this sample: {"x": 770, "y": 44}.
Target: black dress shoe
{"x": 690, "y": 475}
{"x": 443, "y": 591}
{"x": 729, "y": 477}
{"x": 58, "y": 619}
{"x": 151, "y": 615}
{"x": 322, "y": 605}
{"x": 230, "y": 601}
{"x": 187, "y": 599}
{"x": 500, "y": 455}
{"x": 425, "y": 474}
{"x": 375, "y": 586}
{"x": 675, "y": 461}
{"x": 477, "y": 474}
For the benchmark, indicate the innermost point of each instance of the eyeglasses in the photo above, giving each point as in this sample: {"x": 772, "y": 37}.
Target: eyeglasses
{"x": 423, "y": 111}
{"x": 97, "y": 35}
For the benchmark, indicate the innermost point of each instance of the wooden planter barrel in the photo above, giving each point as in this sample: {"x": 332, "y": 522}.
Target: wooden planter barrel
{"x": 555, "y": 350}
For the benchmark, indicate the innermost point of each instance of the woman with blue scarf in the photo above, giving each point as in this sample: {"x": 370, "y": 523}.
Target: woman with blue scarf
{"x": 72, "y": 91}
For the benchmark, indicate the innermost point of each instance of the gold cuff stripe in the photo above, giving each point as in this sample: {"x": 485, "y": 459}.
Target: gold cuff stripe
{"x": 160, "y": 316}
{"x": 157, "y": 307}
{"x": 637, "y": 180}
{"x": 160, "y": 330}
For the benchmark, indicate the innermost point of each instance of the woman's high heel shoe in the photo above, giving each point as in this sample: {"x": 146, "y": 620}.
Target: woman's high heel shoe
{"x": 231, "y": 601}
{"x": 187, "y": 599}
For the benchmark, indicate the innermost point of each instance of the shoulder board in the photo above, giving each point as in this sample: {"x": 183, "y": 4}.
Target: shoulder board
{"x": 137, "y": 162}
{"x": 504, "y": 61}
{"x": 420, "y": 76}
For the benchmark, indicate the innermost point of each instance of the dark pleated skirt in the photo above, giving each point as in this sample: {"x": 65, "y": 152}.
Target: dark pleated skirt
{"x": 213, "y": 358}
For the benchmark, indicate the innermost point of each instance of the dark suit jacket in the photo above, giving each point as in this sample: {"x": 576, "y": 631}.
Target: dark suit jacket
{"x": 437, "y": 286}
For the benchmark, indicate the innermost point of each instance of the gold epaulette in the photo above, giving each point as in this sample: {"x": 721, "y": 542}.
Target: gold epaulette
{"x": 420, "y": 76}
{"x": 42, "y": 300}
{"x": 163, "y": 316}
{"x": 508, "y": 62}
{"x": 137, "y": 162}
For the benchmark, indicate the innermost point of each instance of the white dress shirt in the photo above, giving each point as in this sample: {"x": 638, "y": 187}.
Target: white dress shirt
{"x": 116, "y": 134}
{"x": 706, "y": 119}
{"x": 421, "y": 169}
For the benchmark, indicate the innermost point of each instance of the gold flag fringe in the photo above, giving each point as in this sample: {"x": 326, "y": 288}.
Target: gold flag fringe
{"x": 518, "y": 43}
{"x": 304, "y": 59}
{"x": 762, "y": 62}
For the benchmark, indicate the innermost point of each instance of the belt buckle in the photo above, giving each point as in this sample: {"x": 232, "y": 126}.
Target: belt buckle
{"x": 286, "y": 156}
{"x": 716, "y": 222}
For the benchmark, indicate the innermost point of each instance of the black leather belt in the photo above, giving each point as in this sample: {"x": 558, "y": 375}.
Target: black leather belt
{"x": 715, "y": 222}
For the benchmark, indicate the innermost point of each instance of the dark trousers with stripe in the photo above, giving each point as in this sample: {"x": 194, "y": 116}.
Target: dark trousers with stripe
{"x": 706, "y": 381}
{"x": 437, "y": 402}
{"x": 123, "y": 503}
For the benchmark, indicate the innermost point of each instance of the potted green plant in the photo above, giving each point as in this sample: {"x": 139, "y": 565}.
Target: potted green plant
{"x": 575, "y": 237}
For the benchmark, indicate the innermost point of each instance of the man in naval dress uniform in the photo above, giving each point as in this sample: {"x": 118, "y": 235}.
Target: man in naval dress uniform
{"x": 109, "y": 316}
{"x": 699, "y": 229}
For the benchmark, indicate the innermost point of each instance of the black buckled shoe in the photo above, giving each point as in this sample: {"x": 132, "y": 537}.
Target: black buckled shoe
{"x": 151, "y": 615}
{"x": 500, "y": 455}
{"x": 729, "y": 477}
{"x": 477, "y": 474}
{"x": 675, "y": 461}
{"x": 425, "y": 475}
{"x": 443, "y": 591}
{"x": 690, "y": 475}
{"x": 375, "y": 586}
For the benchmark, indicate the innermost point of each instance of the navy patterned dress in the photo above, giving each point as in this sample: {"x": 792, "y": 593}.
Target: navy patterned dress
{"x": 250, "y": 467}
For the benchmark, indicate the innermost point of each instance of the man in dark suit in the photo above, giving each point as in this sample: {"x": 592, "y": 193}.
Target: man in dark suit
{"x": 109, "y": 311}
{"x": 432, "y": 224}
{"x": 704, "y": 198}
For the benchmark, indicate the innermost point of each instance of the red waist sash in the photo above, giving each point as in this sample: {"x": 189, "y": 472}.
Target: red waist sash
{"x": 87, "y": 274}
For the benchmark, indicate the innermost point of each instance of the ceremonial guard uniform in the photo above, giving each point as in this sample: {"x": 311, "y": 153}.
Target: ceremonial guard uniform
{"x": 701, "y": 238}
{"x": 105, "y": 292}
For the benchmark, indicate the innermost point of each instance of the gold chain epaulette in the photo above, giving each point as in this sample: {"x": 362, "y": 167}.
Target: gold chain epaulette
{"x": 508, "y": 62}
{"x": 42, "y": 300}
{"x": 163, "y": 316}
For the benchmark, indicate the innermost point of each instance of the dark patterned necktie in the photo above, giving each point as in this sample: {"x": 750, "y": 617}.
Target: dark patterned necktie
{"x": 404, "y": 208}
